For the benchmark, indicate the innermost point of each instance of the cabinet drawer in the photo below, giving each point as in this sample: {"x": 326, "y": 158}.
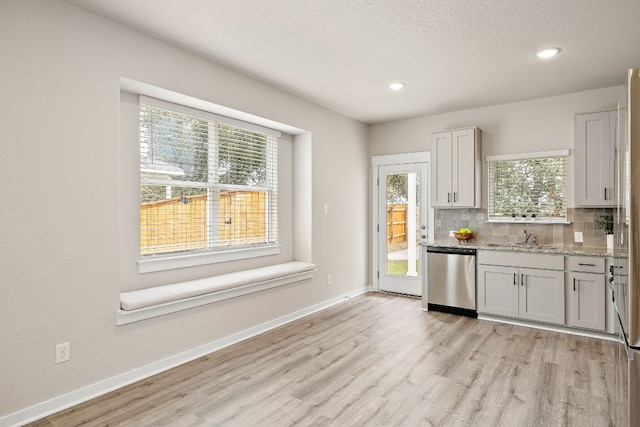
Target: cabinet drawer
{"x": 521, "y": 259}
{"x": 586, "y": 264}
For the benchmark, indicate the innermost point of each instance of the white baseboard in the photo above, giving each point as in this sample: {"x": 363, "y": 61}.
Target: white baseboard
{"x": 546, "y": 327}
{"x": 68, "y": 400}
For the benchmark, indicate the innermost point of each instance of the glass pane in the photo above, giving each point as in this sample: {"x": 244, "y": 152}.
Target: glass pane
{"x": 172, "y": 219}
{"x": 243, "y": 218}
{"x": 175, "y": 219}
{"x": 528, "y": 188}
{"x": 242, "y": 157}
{"x": 173, "y": 145}
{"x": 403, "y": 224}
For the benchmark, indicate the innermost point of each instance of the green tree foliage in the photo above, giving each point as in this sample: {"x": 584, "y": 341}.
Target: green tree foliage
{"x": 398, "y": 187}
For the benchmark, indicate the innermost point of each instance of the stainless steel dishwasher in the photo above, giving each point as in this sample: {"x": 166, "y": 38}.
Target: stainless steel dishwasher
{"x": 451, "y": 280}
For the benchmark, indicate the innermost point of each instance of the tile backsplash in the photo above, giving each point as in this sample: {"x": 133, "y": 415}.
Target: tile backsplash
{"x": 581, "y": 219}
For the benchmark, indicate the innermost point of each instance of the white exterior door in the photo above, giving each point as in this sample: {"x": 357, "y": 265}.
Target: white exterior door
{"x": 403, "y": 206}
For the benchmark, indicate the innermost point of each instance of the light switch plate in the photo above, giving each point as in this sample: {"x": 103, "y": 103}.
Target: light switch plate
{"x": 577, "y": 237}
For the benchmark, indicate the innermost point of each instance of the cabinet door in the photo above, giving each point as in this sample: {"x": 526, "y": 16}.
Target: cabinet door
{"x": 441, "y": 175}
{"x": 594, "y": 151}
{"x": 498, "y": 290}
{"x": 614, "y": 170}
{"x": 464, "y": 168}
{"x": 587, "y": 292}
{"x": 541, "y": 295}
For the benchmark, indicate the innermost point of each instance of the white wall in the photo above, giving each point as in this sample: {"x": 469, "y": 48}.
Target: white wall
{"x": 536, "y": 125}
{"x": 60, "y": 265}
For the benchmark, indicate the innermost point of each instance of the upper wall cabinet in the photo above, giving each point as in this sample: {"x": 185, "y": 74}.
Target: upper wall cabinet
{"x": 595, "y": 159}
{"x": 456, "y": 168}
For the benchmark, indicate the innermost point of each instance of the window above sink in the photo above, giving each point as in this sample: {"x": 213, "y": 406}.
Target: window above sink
{"x": 528, "y": 187}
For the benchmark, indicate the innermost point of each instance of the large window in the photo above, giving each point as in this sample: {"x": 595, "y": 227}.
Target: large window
{"x": 530, "y": 187}
{"x": 207, "y": 183}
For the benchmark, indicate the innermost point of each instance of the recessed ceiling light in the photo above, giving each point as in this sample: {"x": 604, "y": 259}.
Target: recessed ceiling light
{"x": 547, "y": 53}
{"x": 397, "y": 86}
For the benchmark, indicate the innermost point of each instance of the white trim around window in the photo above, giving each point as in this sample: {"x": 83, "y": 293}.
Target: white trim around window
{"x": 523, "y": 156}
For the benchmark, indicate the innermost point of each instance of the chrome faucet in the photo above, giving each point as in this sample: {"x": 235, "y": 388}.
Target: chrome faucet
{"x": 525, "y": 238}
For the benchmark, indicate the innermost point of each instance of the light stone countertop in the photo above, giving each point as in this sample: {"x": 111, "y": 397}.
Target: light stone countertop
{"x": 513, "y": 247}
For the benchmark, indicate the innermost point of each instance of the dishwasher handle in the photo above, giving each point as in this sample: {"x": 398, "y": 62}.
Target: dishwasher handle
{"x": 451, "y": 251}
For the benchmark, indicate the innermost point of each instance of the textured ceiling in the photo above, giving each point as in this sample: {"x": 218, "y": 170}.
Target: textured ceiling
{"x": 452, "y": 54}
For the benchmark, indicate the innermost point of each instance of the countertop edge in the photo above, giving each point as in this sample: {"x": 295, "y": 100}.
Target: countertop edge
{"x": 542, "y": 249}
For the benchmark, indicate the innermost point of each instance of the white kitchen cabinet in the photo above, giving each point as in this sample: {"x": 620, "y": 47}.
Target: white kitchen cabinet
{"x": 456, "y": 168}
{"x": 513, "y": 285}
{"x": 595, "y": 159}
{"x": 587, "y": 293}
{"x": 617, "y": 291}
{"x": 497, "y": 290}
{"x": 541, "y": 295}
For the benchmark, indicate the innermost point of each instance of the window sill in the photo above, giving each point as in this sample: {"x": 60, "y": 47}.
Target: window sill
{"x": 168, "y": 262}
{"x": 528, "y": 221}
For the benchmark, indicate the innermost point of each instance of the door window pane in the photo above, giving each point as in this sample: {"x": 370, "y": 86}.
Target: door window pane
{"x": 403, "y": 228}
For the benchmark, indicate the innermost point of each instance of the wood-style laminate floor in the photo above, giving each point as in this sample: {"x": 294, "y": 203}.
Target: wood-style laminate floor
{"x": 375, "y": 360}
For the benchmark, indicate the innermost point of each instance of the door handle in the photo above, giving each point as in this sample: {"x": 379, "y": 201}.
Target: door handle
{"x": 454, "y": 197}
{"x": 522, "y": 279}
{"x": 574, "y": 284}
{"x": 448, "y": 197}
{"x": 605, "y": 193}
{"x": 587, "y": 265}
{"x": 514, "y": 279}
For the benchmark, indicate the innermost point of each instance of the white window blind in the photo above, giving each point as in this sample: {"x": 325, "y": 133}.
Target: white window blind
{"x": 531, "y": 188}
{"x": 207, "y": 182}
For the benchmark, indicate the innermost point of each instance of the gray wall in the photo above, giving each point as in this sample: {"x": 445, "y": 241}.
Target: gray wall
{"x": 60, "y": 267}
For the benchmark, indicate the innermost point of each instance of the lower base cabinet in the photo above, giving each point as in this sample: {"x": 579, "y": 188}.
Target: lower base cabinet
{"x": 542, "y": 288}
{"x": 525, "y": 293}
{"x": 497, "y": 290}
{"x": 587, "y": 292}
{"x": 587, "y": 296}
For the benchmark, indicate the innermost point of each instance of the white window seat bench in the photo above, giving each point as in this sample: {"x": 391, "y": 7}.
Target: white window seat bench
{"x": 160, "y": 300}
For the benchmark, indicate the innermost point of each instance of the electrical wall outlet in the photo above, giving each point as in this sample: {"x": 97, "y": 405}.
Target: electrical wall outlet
{"x": 329, "y": 280}
{"x": 452, "y": 233}
{"x": 326, "y": 209}
{"x": 63, "y": 352}
{"x": 577, "y": 237}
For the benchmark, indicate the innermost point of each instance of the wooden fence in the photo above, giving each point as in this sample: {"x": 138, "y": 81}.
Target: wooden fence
{"x": 396, "y": 223}
{"x": 242, "y": 221}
